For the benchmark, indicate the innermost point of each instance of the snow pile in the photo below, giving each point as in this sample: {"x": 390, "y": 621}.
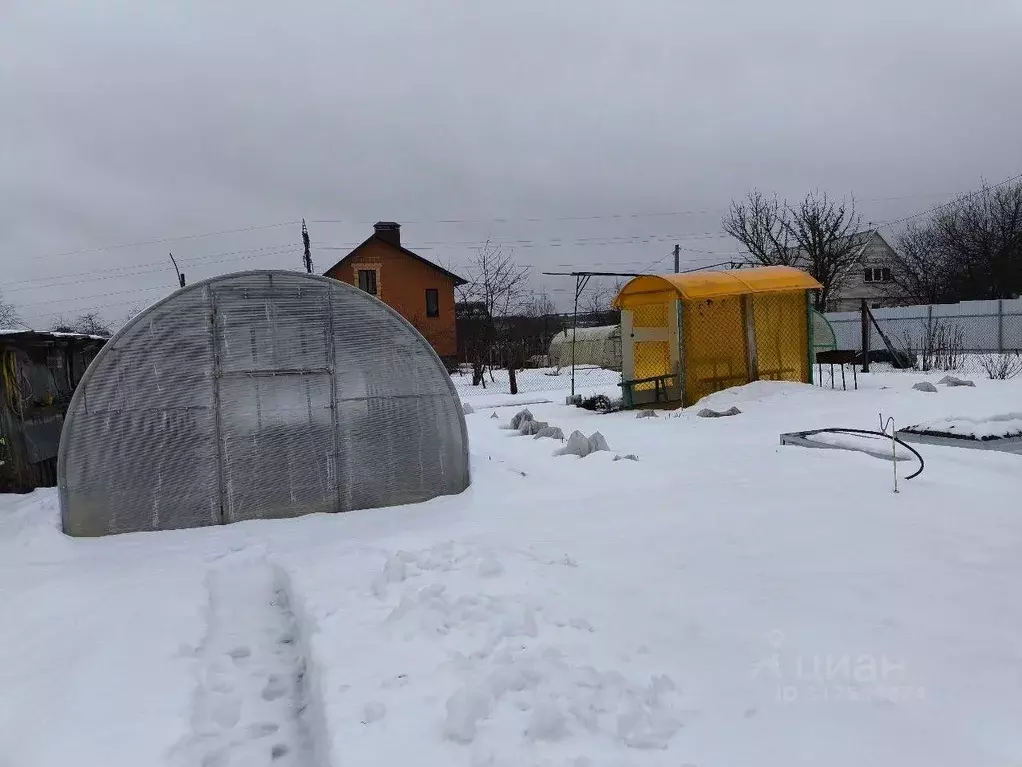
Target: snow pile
{"x": 954, "y": 380}
{"x": 925, "y": 386}
{"x": 709, "y": 413}
{"x": 581, "y": 445}
{"x": 876, "y": 446}
{"x": 519, "y": 418}
{"x": 550, "y": 432}
{"x": 533, "y": 428}
{"x": 991, "y": 427}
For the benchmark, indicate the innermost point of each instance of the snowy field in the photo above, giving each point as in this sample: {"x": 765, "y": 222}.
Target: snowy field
{"x": 721, "y": 601}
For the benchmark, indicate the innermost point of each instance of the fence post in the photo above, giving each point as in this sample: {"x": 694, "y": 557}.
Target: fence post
{"x": 864, "y": 316}
{"x": 1000, "y": 325}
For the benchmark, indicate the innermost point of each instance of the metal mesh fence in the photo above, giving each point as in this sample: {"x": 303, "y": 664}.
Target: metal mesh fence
{"x": 714, "y": 343}
{"x": 979, "y": 338}
{"x": 257, "y": 395}
{"x": 730, "y": 341}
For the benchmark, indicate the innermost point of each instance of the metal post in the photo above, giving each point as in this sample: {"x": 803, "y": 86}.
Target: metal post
{"x": 677, "y": 258}
{"x": 864, "y": 310}
{"x": 894, "y": 456}
{"x": 574, "y": 324}
{"x": 221, "y": 517}
{"x": 1000, "y": 325}
{"x": 751, "y": 353}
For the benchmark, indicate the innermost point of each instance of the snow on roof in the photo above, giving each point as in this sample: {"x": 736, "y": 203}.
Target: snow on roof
{"x": 39, "y": 335}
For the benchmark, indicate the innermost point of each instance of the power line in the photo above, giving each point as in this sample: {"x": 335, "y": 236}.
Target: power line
{"x": 54, "y": 280}
{"x": 957, "y": 199}
{"x": 136, "y": 291}
{"x": 553, "y": 242}
{"x": 121, "y": 271}
{"x": 160, "y": 240}
{"x": 494, "y": 220}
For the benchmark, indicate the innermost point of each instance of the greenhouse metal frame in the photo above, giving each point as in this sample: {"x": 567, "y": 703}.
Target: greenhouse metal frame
{"x": 257, "y": 395}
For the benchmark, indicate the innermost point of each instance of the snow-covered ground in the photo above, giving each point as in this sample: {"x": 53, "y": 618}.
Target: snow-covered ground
{"x": 721, "y": 601}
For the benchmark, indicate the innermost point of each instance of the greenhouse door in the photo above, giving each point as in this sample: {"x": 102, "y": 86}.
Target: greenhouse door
{"x": 274, "y": 400}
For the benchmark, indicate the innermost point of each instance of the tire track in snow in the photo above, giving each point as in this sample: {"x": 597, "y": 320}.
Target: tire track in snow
{"x": 250, "y": 707}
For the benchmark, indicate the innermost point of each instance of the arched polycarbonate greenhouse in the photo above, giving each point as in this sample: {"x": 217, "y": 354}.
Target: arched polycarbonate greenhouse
{"x": 592, "y": 346}
{"x": 258, "y": 395}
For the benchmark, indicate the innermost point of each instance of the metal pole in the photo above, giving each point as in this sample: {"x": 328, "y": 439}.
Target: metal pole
{"x": 677, "y": 258}
{"x": 180, "y": 277}
{"x": 894, "y": 456}
{"x": 865, "y": 335}
{"x": 1000, "y": 325}
{"x": 574, "y": 325}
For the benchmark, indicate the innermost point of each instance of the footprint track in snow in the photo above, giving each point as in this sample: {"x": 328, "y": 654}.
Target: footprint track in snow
{"x": 250, "y": 704}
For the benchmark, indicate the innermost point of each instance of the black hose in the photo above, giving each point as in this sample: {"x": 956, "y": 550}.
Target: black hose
{"x": 842, "y": 430}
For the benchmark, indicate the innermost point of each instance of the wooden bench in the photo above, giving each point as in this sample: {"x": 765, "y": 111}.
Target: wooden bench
{"x": 660, "y": 387}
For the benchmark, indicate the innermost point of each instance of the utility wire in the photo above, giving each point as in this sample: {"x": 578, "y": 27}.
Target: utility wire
{"x": 496, "y": 220}
{"x": 958, "y": 199}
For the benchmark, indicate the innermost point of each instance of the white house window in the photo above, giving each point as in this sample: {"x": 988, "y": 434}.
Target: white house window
{"x": 878, "y": 274}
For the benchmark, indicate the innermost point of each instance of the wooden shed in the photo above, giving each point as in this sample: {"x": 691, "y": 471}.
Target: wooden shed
{"x": 688, "y": 335}
{"x": 38, "y": 374}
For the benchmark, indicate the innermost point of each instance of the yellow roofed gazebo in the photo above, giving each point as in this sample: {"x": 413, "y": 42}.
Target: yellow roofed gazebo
{"x": 684, "y": 336}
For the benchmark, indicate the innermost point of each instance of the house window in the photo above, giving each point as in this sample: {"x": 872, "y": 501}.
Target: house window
{"x": 432, "y": 302}
{"x": 878, "y": 274}
{"x": 367, "y": 280}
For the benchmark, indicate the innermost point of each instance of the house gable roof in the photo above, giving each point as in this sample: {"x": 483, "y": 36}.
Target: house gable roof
{"x": 401, "y": 249}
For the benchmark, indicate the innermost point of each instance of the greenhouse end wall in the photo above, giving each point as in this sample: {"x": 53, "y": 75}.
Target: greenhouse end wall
{"x": 258, "y": 395}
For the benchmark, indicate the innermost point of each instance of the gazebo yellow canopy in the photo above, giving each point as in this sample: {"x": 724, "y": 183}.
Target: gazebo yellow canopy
{"x": 695, "y": 286}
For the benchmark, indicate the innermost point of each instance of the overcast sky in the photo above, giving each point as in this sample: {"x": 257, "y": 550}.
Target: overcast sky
{"x": 544, "y": 124}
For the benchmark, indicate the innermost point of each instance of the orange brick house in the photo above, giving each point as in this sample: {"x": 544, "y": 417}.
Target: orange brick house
{"x": 420, "y": 291}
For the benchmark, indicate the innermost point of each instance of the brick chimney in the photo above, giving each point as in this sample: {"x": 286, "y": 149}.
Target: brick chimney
{"x": 389, "y": 231}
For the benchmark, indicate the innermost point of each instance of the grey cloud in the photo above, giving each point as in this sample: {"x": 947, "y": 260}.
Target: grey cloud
{"x": 135, "y": 121}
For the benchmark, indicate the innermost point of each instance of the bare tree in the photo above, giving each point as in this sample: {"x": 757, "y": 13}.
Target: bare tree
{"x": 969, "y": 249}
{"x": 919, "y": 270}
{"x": 818, "y": 235}
{"x": 596, "y": 299}
{"x": 9, "y": 317}
{"x": 89, "y": 323}
{"x": 498, "y": 287}
{"x": 760, "y": 225}
{"x": 132, "y": 312}
{"x": 541, "y": 305}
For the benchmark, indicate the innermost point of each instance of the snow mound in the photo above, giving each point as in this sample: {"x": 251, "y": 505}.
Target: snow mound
{"x": 924, "y": 386}
{"x": 955, "y": 381}
{"x": 530, "y": 428}
{"x": 550, "y": 432}
{"x": 760, "y": 391}
{"x": 467, "y": 409}
{"x": 646, "y": 414}
{"x": 709, "y": 413}
{"x": 581, "y": 445}
{"x": 518, "y": 419}
{"x": 991, "y": 427}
